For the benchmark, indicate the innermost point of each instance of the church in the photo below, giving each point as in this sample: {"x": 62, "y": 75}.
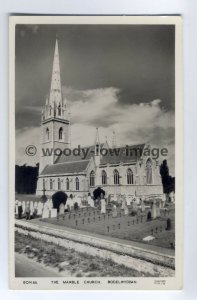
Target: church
{"x": 118, "y": 171}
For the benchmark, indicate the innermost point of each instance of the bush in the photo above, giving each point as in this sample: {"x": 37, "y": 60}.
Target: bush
{"x": 58, "y": 198}
{"x": 97, "y": 192}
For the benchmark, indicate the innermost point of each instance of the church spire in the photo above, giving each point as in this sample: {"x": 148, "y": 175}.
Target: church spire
{"x": 114, "y": 139}
{"x": 55, "y": 96}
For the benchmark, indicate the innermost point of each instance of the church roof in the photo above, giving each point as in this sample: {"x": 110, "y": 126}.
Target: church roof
{"x": 123, "y": 155}
{"x": 66, "y": 168}
{"x": 72, "y": 158}
{"x": 77, "y": 164}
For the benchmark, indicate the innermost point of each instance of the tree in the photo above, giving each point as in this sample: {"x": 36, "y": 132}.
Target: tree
{"x": 26, "y": 179}
{"x": 97, "y": 192}
{"x": 167, "y": 180}
{"x": 58, "y": 198}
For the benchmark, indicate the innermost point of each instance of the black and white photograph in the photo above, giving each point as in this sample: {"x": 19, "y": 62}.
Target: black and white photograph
{"x": 96, "y": 196}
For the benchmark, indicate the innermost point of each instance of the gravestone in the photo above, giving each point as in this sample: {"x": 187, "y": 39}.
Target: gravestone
{"x": 124, "y": 206}
{"x": 53, "y": 212}
{"x": 149, "y": 217}
{"x": 76, "y": 206}
{"x": 128, "y": 200}
{"x": 20, "y": 209}
{"x": 61, "y": 209}
{"x": 90, "y": 201}
{"x": 154, "y": 211}
{"x": 143, "y": 206}
{"x": 103, "y": 206}
{"x": 79, "y": 201}
{"x": 45, "y": 212}
{"x": 40, "y": 208}
{"x": 137, "y": 200}
{"x": 70, "y": 202}
{"x": 23, "y": 206}
{"x": 16, "y": 207}
{"x": 114, "y": 211}
{"x": 168, "y": 224}
{"x": 31, "y": 208}
{"x": 134, "y": 205}
{"x": 158, "y": 213}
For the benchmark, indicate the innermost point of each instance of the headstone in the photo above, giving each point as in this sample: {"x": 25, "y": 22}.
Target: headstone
{"x": 119, "y": 199}
{"x": 149, "y": 217}
{"x": 154, "y": 211}
{"x": 23, "y": 205}
{"x": 53, "y": 212}
{"x": 16, "y": 207}
{"x": 31, "y": 208}
{"x": 27, "y": 211}
{"x": 137, "y": 200}
{"x": 76, "y": 206}
{"x": 158, "y": 211}
{"x": 78, "y": 200}
{"x": 35, "y": 208}
{"x": 168, "y": 223}
{"x": 20, "y": 209}
{"x": 103, "y": 206}
{"x": 70, "y": 202}
{"x": 90, "y": 201}
{"x": 143, "y": 206}
{"x": 40, "y": 208}
{"x": 35, "y": 205}
{"x": 61, "y": 209}
{"x": 124, "y": 206}
{"x": 128, "y": 200}
{"x": 114, "y": 211}
{"x": 134, "y": 205}
{"x": 50, "y": 203}
{"x": 45, "y": 213}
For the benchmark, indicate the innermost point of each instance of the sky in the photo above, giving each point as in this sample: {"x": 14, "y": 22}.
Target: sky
{"x": 115, "y": 77}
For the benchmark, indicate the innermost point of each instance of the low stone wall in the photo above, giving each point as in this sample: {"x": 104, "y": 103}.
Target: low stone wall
{"x": 142, "y": 260}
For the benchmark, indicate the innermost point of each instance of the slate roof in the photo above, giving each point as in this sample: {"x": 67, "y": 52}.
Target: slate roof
{"x": 72, "y": 158}
{"x": 66, "y": 168}
{"x": 77, "y": 164}
{"x": 128, "y": 154}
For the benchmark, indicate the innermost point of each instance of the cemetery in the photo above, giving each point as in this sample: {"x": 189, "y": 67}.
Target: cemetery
{"x": 145, "y": 221}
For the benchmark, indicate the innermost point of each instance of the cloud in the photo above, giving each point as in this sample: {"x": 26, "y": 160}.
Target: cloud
{"x": 133, "y": 123}
{"x": 25, "y": 137}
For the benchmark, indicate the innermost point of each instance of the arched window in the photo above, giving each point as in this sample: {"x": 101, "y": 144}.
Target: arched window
{"x": 149, "y": 178}
{"x": 67, "y": 184}
{"x": 60, "y": 133}
{"x": 47, "y": 133}
{"x": 51, "y": 183}
{"x": 129, "y": 176}
{"x": 59, "y": 110}
{"x": 104, "y": 177}
{"x": 59, "y": 184}
{"x": 77, "y": 184}
{"x": 92, "y": 178}
{"x": 116, "y": 177}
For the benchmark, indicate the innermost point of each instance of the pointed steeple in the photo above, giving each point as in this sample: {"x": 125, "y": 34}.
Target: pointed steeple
{"x": 55, "y": 96}
{"x": 97, "y": 142}
{"x": 114, "y": 139}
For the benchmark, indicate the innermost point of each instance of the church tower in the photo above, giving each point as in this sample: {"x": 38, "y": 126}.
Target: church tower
{"x": 55, "y": 121}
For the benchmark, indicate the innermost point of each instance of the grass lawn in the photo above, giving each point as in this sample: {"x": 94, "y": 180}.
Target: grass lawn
{"x": 133, "y": 228}
{"x": 74, "y": 263}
